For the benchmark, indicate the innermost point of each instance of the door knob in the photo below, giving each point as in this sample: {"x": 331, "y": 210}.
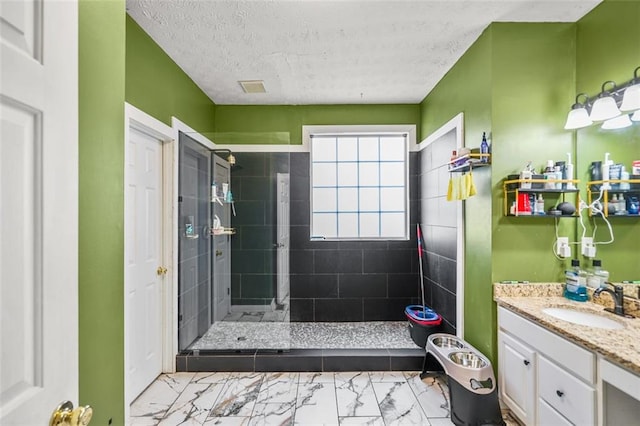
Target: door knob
{"x": 218, "y": 252}
{"x": 66, "y": 415}
{"x": 161, "y": 270}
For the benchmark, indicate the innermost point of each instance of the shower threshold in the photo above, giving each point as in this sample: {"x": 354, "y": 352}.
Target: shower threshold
{"x": 303, "y": 346}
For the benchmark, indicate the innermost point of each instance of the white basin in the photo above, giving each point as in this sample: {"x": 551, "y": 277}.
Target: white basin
{"x": 583, "y": 318}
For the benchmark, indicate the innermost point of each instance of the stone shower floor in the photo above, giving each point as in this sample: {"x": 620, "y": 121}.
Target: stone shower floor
{"x": 306, "y": 335}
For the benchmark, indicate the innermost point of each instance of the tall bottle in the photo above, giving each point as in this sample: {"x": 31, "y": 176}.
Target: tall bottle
{"x": 575, "y": 284}
{"x": 598, "y": 276}
{"x": 484, "y": 148}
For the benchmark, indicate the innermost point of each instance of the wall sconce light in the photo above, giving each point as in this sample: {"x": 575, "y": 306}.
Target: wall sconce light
{"x": 578, "y": 116}
{"x": 605, "y": 107}
{"x": 230, "y": 157}
{"x": 619, "y": 122}
{"x": 612, "y": 106}
{"x": 631, "y": 99}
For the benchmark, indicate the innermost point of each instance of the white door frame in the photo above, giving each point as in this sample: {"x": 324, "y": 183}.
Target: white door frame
{"x": 141, "y": 121}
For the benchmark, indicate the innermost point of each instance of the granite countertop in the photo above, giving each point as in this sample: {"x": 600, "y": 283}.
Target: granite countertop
{"x": 621, "y": 346}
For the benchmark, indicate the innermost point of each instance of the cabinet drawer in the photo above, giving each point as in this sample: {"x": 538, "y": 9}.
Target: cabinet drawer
{"x": 571, "y": 397}
{"x": 569, "y": 355}
{"x": 548, "y": 416}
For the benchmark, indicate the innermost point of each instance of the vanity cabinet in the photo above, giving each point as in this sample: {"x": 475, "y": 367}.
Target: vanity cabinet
{"x": 557, "y": 377}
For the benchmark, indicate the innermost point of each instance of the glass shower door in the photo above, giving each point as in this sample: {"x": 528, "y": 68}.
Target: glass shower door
{"x": 194, "y": 247}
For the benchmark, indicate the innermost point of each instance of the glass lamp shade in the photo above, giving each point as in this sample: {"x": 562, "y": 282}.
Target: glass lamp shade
{"x": 604, "y": 108}
{"x": 619, "y": 122}
{"x": 577, "y": 119}
{"x": 636, "y": 116}
{"x": 631, "y": 99}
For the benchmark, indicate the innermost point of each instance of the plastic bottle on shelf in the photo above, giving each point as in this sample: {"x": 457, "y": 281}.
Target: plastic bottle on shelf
{"x": 539, "y": 209}
{"x": 484, "y": 148}
{"x": 550, "y": 174}
{"x": 622, "y": 204}
{"x": 568, "y": 171}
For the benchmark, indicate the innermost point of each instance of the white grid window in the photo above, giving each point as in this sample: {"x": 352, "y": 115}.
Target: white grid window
{"x": 359, "y": 186}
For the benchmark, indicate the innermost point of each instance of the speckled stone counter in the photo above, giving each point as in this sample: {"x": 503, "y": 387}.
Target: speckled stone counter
{"x": 620, "y": 346}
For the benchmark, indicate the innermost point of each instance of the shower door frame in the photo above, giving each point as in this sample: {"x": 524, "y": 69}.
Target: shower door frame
{"x": 179, "y": 126}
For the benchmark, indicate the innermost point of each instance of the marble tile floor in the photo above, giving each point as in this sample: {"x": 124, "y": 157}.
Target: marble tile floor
{"x": 306, "y": 335}
{"x": 371, "y": 398}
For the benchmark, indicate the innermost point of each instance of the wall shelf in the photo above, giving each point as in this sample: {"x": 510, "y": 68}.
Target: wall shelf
{"x": 594, "y": 189}
{"x": 470, "y": 161}
{"x": 512, "y": 187}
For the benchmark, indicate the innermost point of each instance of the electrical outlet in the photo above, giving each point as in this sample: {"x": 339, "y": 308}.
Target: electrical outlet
{"x": 562, "y": 247}
{"x": 587, "y": 247}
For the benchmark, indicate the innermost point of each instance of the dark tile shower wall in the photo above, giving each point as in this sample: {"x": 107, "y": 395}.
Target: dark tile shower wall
{"x": 253, "y": 256}
{"x": 349, "y": 280}
{"x": 439, "y": 228}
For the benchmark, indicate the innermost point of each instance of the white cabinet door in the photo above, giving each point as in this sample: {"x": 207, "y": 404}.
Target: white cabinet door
{"x": 516, "y": 376}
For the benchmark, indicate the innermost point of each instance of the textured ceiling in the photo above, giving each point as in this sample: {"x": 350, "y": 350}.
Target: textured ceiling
{"x": 329, "y": 52}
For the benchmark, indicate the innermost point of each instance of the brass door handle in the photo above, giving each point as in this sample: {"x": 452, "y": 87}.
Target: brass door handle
{"x": 218, "y": 252}
{"x": 66, "y": 415}
{"x": 161, "y": 270}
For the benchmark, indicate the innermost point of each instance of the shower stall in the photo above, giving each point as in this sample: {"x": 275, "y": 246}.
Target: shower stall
{"x": 233, "y": 226}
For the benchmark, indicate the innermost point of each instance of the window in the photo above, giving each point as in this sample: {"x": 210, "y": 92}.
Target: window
{"x": 359, "y": 186}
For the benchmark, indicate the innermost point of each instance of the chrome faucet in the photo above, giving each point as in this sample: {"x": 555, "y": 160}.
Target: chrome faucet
{"x": 617, "y": 295}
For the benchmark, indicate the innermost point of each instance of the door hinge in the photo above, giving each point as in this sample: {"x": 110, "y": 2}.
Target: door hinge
{"x": 228, "y": 291}
{"x": 179, "y": 198}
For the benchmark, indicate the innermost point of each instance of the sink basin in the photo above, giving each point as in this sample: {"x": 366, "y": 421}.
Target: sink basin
{"x": 583, "y": 318}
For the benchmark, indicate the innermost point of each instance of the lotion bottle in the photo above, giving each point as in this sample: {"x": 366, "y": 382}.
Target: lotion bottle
{"x": 568, "y": 170}
{"x": 605, "y": 171}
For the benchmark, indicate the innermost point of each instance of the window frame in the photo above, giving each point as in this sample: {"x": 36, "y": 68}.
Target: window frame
{"x": 408, "y": 131}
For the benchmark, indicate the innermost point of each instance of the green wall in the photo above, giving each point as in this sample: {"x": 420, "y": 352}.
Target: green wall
{"x": 467, "y": 88}
{"x": 608, "y": 41}
{"x": 157, "y": 86}
{"x": 101, "y": 208}
{"x": 282, "y": 124}
{"x": 118, "y": 62}
{"x": 533, "y": 66}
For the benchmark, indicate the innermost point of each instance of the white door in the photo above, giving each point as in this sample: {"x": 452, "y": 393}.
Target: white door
{"x": 38, "y": 209}
{"x": 222, "y": 246}
{"x": 144, "y": 268}
{"x": 283, "y": 237}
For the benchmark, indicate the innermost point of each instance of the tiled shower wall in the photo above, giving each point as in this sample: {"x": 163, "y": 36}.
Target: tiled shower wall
{"x": 438, "y": 219}
{"x": 349, "y": 280}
